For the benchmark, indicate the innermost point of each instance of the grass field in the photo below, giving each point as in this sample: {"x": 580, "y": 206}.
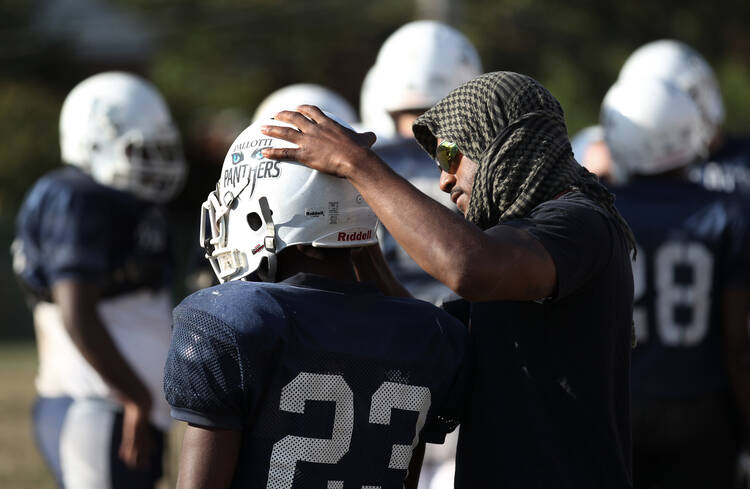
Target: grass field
{"x": 21, "y": 467}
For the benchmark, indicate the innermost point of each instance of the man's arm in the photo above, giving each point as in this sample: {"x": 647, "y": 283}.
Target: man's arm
{"x": 78, "y": 305}
{"x": 737, "y": 347}
{"x": 510, "y": 265}
{"x": 208, "y": 458}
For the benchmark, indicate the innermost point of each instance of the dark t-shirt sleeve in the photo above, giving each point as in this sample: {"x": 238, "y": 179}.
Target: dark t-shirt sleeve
{"x": 203, "y": 375}
{"x": 577, "y": 235}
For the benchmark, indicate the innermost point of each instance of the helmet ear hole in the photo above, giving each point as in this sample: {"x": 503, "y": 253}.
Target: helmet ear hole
{"x": 254, "y": 221}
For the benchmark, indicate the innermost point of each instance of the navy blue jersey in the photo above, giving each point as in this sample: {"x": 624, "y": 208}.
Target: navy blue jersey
{"x": 409, "y": 160}
{"x": 69, "y": 226}
{"x": 692, "y": 246}
{"x": 330, "y": 382}
{"x": 728, "y": 168}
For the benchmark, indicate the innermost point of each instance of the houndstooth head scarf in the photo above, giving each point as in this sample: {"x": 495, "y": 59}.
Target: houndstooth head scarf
{"x": 515, "y": 130}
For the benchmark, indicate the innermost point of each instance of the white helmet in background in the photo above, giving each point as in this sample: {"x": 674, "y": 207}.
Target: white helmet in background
{"x": 652, "y": 126}
{"x": 292, "y": 96}
{"x": 261, "y": 206}
{"x": 683, "y": 66}
{"x": 372, "y": 109}
{"x": 421, "y": 62}
{"x": 117, "y": 128}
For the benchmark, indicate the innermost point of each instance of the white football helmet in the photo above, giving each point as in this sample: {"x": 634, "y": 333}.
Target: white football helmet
{"x": 684, "y": 67}
{"x": 261, "y": 206}
{"x": 116, "y": 127}
{"x": 421, "y": 62}
{"x": 292, "y": 96}
{"x": 652, "y": 126}
{"x": 372, "y": 109}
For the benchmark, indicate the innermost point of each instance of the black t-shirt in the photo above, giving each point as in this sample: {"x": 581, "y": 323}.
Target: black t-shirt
{"x": 549, "y": 402}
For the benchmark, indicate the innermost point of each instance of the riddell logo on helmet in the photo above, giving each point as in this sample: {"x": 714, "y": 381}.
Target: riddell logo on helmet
{"x": 355, "y": 236}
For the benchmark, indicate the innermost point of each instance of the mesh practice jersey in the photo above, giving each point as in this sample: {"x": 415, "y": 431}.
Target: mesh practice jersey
{"x": 331, "y": 383}
{"x": 692, "y": 245}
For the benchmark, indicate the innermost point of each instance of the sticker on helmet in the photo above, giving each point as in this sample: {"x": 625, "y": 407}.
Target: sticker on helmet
{"x": 333, "y": 212}
{"x": 237, "y": 157}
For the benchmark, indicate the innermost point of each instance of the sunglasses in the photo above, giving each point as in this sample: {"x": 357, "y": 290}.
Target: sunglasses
{"x": 445, "y": 154}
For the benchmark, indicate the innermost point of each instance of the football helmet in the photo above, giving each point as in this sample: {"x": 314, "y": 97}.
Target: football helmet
{"x": 292, "y": 96}
{"x": 683, "y": 66}
{"x": 261, "y": 206}
{"x": 652, "y": 126}
{"x": 116, "y": 127}
{"x": 372, "y": 110}
{"x": 421, "y": 62}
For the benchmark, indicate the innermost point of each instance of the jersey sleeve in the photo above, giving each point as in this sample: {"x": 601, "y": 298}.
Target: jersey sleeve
{"x": 204, "y": 376}
{"x": 74, "y": 233}
{"x": 577, "y": 236}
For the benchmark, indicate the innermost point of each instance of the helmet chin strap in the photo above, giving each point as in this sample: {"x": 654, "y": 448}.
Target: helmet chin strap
{"x": 267, "y": 273}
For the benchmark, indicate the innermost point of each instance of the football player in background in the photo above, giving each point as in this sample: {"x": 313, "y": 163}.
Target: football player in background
{"x": 728, "y": 166}
{"x": 591, "y": 151}
{"x": 92, "y": 252}
{"x": 692, "y": 290}
{"x": 416, "y": 66}
{"x": 291, "y": 373}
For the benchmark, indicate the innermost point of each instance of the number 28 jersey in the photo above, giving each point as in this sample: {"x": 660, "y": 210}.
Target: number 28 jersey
{"x": 331, "y": 383}
{"x": 693, "y": 244}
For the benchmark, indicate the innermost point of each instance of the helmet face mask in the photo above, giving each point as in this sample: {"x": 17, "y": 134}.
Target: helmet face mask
{"x": 262, "y": 206}
{"x": 117, "y": 128}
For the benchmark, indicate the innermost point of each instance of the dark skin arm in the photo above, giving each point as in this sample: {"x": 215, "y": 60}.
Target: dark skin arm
{"x": 208, "y": 458}
{"x": 77, "y": 302}
{"x": 510, "y": 266}
{"x": 737, "y": 347}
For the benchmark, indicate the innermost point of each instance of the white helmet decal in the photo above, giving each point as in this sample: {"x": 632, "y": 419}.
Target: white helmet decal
{"x": 117, "y": 128}
{"x": 261, "y": 206}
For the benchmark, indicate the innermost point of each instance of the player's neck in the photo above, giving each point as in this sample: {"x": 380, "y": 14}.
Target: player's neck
{"x": 329, "y": 263}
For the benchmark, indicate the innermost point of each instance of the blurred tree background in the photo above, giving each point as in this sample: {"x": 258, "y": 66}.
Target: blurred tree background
{"x": 210, "y": 55}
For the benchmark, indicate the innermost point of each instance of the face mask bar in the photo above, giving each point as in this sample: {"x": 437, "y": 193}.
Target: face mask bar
{"x": 225, "y": 262}
{"x": 156, "y": 168}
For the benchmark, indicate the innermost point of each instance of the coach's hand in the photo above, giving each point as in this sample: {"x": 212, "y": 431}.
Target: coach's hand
{"x": 323, "y": 144}
{"x": 135, "y": 448}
